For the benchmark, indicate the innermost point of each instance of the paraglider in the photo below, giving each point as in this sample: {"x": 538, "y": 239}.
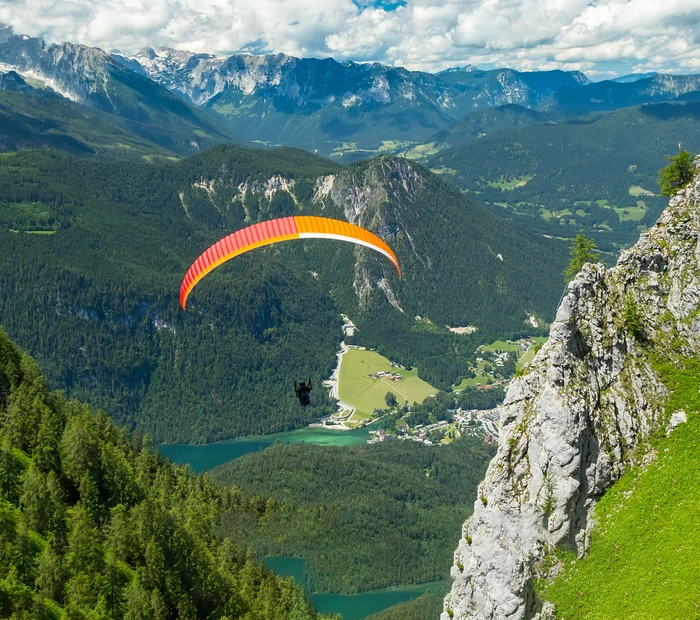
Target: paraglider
{"x": 281, "y": 229}
{"x": 302, "y": 391}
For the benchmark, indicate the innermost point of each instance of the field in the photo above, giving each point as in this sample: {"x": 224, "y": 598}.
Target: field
{"x": 443, "y": 170}
{"x": 529, "y": 355}
{"x": 513, "y": 183}
{"x": 636, "y": 190}
{"x": 631, "y": 213}
{"x": 423, "y": 151}
{"x": 499, "y": 345}
{"x": 367, "y": 394}
{"x": 465, "y": 383}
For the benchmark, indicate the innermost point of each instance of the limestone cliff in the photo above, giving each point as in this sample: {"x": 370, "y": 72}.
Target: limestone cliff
{"x": 570, "y": 425}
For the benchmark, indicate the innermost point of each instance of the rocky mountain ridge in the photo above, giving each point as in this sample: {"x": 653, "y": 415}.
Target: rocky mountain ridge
{"x": 577, "y": 418}
{"x": 322, "y": 104}
{"x": 91, "y": 77}
{"x": 309, "y": 82}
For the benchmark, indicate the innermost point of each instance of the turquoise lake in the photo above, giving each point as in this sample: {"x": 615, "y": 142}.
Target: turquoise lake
{"x": 210, "y": 455}
{"x": 351, "y": 606}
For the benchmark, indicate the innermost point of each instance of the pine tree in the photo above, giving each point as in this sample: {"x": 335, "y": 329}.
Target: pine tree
{"x": 49, "y": 573}
{"x": 677, "y": 174}
{"x": 582, "y": 251}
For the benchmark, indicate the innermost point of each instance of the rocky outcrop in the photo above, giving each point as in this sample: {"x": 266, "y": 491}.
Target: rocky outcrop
{"x": 378, "y": 198}
{"x": 572, "y": 424}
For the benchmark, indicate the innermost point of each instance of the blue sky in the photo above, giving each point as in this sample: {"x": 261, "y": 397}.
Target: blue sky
{"x": 603, "y": 38}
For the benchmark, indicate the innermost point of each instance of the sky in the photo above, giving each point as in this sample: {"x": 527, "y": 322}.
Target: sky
{"x": 603, "y": 38}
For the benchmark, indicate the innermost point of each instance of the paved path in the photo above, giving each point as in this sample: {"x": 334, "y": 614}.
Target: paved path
{"x": 332, "y": 383}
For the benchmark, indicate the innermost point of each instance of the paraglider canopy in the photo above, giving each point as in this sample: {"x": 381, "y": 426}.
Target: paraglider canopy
{"x": 272, "y": 231}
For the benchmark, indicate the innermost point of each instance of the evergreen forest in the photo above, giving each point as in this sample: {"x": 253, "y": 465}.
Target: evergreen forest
{"x": 364, "y": 518}
{"x": 95, "y": 525}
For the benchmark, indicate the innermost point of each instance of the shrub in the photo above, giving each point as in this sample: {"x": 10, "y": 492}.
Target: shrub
{"x": 633, "y": 321}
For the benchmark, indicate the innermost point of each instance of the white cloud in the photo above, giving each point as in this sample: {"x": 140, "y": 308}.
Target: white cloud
{"x": 603, "y": 37}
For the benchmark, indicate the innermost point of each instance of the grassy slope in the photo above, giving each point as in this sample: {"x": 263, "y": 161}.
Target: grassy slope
{"x": 367, "y": 394}
{"x": 643, "y": 561}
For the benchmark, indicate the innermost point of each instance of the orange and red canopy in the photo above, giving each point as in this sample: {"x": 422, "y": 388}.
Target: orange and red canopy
{"x": 272, "y": 231}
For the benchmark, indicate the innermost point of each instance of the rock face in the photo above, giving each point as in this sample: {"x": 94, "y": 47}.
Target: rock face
{"x": 571, "y": 424}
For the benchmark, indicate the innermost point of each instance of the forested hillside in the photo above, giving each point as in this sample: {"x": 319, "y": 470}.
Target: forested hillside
{"x": 364, "y": 518}
{"x": 425, "y": 607}
{"x": 479, "y": 123}
{"x": 93, "y": 524}
{"x": 34, "y": 120}
{"x": 91, "y": 284}
{"x": 96, "y": 249}
{"x": 596, "y": 174}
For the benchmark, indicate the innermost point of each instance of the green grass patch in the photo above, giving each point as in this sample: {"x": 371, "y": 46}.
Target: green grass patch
{"x": 529, "y": 355}
{"x": 480, "y": 378}
{"x": 394, "y": 146}
{"x": 500, "y": 345}
{"x": 366, "y": 394}
{"x": 444, "y": 170}
{"x": 637, "y": 190}
{"x": 602, "y": 202}
{"x": 423, "y": 151}
{"x": 644, "y": 560}
{"x": 630, "y": 214}
{"x": 510, "y": 184}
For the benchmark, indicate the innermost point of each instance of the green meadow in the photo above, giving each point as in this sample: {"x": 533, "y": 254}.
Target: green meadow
{"x": 366, "y": 393}
{"x": 643, "y": 560}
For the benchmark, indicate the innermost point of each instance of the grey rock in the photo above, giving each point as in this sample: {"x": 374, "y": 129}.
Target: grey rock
{"x": 677, "y": 418}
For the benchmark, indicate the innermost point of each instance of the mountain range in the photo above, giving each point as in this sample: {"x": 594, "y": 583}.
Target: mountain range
{"x": 341, "y": 109}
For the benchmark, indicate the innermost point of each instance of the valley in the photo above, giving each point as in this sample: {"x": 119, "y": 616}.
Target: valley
{"x": 446, "y": 397}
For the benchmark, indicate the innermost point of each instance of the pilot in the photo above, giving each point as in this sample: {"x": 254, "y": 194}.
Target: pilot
{"x": 302, "y": 391}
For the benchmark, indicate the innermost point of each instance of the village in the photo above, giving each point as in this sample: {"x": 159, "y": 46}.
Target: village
{"x": 471, "y": 423}
{"x": 368, "y": 376}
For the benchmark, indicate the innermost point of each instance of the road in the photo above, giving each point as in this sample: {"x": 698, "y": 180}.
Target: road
{"x": 345, "y": 411}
